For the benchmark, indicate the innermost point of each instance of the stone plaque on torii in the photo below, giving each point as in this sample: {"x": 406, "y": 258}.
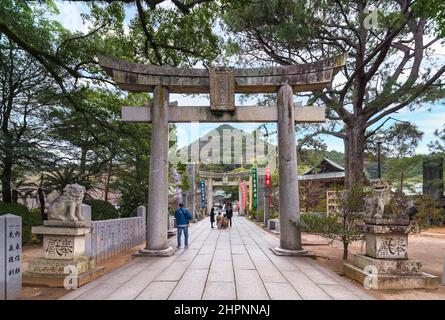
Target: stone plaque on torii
{"x": 222, "y": 84}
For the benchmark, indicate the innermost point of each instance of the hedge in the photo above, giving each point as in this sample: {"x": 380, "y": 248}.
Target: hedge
{"x": 29, "y": 218}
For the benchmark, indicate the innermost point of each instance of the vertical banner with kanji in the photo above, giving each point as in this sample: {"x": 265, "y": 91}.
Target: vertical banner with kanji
{"x": 254, "y": 188}
{"x": 243, "y": 194}
{"x": 267, "y": 181}
{"x": 267, "y": 184}
{"x": 250, "y": 193}
{"x": 202, "y": 186}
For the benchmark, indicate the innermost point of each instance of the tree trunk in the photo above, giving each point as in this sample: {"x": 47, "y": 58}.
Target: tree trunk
{"x": 83, "y": 160}
{"x": 107, "y": 183}
{"x": 354, "y": 155}
{"x": 345, "y": 250}
{"x": 354, "y": 159}
{"x": 402, "y": 178}
{"x": 42, "y": 204}
{"x": 7, "y": 177}
{"x": 15, "y": 196}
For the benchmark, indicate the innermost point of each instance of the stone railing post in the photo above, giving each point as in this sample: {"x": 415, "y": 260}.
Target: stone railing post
{"x": 142, "y": 212}
{"x": 209, "y": 195}
{"x": 266, "y": 208}
{"x": 86, "y": 211}
{"x": 443, "y": 273}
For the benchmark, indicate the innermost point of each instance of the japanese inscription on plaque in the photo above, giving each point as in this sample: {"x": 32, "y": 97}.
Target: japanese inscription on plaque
{"x": 60, "y": 247}
{"x": 11, "y": 251}
{"x": 222, "y": 89}
{"x": 392, "y": 247}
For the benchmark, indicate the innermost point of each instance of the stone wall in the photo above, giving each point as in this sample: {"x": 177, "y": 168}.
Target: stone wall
{"x": 110, "y": 237}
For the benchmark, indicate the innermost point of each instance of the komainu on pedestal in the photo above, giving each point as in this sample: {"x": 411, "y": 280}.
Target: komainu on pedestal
{"x": 63, "y": 248}
{"x": 385, "y": 264}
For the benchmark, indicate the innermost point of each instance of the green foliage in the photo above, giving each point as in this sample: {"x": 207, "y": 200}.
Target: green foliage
{"x": 273, "y": 213}
{"x": 438, "y": 145}
{"x": 382, "y": 78}
{"x": 432, "y": 9}
{"x": 185, "y": 179}
{"x": 329, "y": 226}
{"x": 429, "y": 213}
{"x": 398, "y": 145}
{"x": 401, "y": 169}
{"x": 30, "y": 218}
{"x": 102, "y": 210}
{"x": 345, "y": 225}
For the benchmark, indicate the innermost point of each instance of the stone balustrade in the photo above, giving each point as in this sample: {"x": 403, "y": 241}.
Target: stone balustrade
{"x": 111, "y": 237}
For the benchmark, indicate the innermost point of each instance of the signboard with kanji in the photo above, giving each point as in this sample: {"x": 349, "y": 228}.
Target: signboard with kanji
{"x": 267, "y": 181}
{"x": 222, "y": 89}
{"x": 202, "y": 186}
{"x": 254, "y": 188}
{"x": 244, "y": 194}
{"x": 10, "y": 256}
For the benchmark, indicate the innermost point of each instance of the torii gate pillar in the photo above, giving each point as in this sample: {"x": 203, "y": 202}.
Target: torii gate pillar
{"x": 240, "y": 199}
{"x": 290, "y": 233}
{"x": 157, "y": 244}
{"x": 209, "y": 195}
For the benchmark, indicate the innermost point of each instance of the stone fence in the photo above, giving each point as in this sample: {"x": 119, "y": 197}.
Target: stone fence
{"x": 110, "y": 237}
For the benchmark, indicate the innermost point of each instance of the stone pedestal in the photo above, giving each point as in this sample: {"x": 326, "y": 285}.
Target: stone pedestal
{"x": 274, "y": 225}
{"x": 386, "y": 264}
{"x": 171, "y": 226}
{"x": 63, "y": 255}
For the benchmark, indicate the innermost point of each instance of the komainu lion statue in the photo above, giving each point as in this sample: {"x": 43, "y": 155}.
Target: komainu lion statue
{"x": 386, "y": 204}
{"x": 68, "y": 205}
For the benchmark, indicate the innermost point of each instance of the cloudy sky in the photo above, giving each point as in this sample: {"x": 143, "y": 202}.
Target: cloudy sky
{"x": 428, "y": 118}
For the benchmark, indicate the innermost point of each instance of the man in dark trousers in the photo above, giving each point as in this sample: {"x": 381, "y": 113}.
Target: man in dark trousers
{"x": 212, "y": 216}
{"x": 183, "y": 217}
{"x": 229, "y": 213}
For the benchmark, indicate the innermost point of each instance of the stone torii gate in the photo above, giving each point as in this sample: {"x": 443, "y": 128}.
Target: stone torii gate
{"x": 222, "y": 83}
{"x": 224, "y": 176}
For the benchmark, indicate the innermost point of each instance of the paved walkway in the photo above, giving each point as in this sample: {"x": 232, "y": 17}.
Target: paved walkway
{"x": 221, "y": 265}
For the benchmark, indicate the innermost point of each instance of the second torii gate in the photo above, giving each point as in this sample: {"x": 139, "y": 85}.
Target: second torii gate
{"x": 222, "y": 83}
{"x": 224, "y": 176}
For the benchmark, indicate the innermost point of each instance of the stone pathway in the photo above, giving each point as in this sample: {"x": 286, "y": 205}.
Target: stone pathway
{"x": 221, "y": 265}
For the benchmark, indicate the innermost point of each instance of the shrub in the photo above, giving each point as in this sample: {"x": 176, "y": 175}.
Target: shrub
{"x": 29, "y": 219}
{"x": 273, "y": 214}
{"x": 102, "y": 210}
{"x": 428, "y": 213}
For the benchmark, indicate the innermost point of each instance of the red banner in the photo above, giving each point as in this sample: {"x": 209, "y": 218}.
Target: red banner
{"x": 244, "y": 194}
{"x": 267, "y": 181}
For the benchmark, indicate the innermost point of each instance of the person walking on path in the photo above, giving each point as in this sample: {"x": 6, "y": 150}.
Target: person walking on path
{"x": 229, "y": 213}
{"x": 212, "y": 216}
{"x": 183, "y": 217}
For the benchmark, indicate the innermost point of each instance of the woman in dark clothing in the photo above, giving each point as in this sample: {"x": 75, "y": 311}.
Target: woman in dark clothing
{"x": 229, "y": 213}
{"x": 212, "y": 216}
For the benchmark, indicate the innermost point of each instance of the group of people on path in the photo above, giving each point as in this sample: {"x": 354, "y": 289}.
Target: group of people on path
{"x": 183, "y": 218}
{"x": 222, "y": 221}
